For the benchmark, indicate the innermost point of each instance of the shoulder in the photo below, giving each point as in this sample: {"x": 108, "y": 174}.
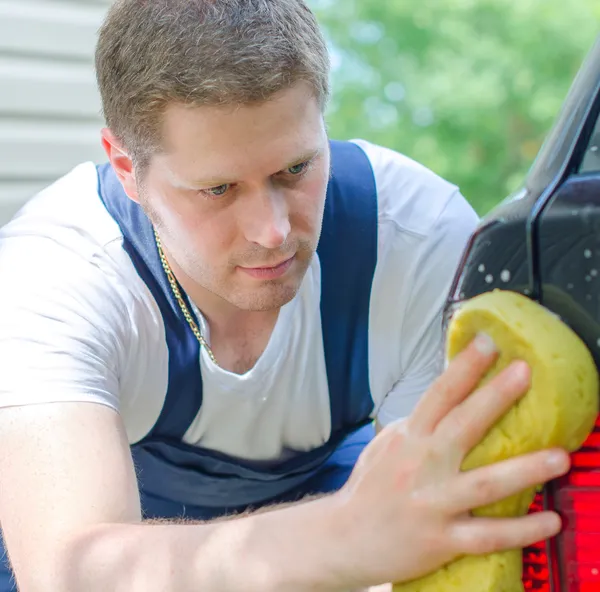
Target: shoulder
{"x": 410, "y": 196}
{"x": 424, "y": 225}
{"x": 64, "y": 232}
{"x": 422, "y": 218}
{"x": 76, "y": 322}
{"x": 68, "y": 207}
{"x": 65, "y": 253}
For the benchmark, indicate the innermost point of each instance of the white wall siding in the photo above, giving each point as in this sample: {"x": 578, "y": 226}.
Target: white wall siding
{"x": 49, "y": 105}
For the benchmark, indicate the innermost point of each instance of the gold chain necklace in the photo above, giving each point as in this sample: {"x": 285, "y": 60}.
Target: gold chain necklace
{"x": 180, "y": 300}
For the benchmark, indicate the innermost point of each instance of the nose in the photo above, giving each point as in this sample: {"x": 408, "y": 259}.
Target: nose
{"x": 266, "y": 219}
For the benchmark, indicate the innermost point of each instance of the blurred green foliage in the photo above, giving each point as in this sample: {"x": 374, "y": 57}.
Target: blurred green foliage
{"x": 470, "y": 88}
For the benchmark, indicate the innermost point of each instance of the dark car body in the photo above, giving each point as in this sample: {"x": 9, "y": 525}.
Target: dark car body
{"x": 544, "y": 242}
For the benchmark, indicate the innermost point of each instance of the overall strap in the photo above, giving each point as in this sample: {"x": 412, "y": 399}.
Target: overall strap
{"x": 348, "y": 255}
{"x": 184, "y": 393}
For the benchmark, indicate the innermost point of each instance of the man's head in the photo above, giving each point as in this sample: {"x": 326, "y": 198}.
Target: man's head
{"x": 215, "y": 125}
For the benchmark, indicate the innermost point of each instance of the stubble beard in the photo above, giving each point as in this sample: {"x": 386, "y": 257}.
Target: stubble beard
{"x": 268, "y": 295}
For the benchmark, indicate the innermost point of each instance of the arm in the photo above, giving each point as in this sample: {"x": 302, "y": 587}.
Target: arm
{"x": 69, "y": 503}
{"x": 70, "y": 507}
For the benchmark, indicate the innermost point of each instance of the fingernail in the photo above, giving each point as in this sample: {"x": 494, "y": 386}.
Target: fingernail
{"x": 485, "y": 344}
{"x": 554, "y": 524}
{"x": 520, "y": 370}
{"x": 558, "y": 462}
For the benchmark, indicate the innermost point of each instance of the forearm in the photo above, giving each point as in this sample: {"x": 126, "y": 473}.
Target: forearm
{"x": 298, "y": 547}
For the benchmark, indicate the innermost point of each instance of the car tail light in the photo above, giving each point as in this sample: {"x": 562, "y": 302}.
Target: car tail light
{"x": 536, "y": 570}
{"x": 571, "y": 561}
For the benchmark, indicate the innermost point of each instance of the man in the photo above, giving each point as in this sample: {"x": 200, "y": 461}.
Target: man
{"x": 209, "y": 325}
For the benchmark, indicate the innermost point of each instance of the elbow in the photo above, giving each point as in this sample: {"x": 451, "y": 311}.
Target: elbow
{"x": 105, "y": 557}
{"x": 101, "y": 558}
{"x": 119, "y": 557}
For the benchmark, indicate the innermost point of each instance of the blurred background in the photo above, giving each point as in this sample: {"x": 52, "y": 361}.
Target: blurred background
{"x": 469, "y": 88}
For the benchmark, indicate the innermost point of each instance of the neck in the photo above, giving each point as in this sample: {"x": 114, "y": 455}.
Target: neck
{"x": 237, "y": 337}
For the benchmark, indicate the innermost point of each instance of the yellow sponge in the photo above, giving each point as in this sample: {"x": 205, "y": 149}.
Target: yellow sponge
{"x": 497, "y": 572}
{"x": 559, "y": 409}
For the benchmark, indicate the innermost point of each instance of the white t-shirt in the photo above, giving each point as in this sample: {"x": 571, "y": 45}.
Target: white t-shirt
{"x": 78, "y": 324}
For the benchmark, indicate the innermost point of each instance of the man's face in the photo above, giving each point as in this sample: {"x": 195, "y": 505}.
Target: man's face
{"x": 238, "y": 194}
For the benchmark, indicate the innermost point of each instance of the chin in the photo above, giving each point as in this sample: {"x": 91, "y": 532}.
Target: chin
{"x": 270, "y": 294}
{"x": 266, "y": 295}
{"x": 270, "y": 297}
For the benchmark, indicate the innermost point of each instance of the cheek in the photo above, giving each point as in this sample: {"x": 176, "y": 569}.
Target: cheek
{"x": 310, "y": 203}
{"x": 198, "y": 230}
{"x": 212, "y": 237}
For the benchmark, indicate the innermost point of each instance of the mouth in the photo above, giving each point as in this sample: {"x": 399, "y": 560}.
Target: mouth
{"x": 269, "y": 271}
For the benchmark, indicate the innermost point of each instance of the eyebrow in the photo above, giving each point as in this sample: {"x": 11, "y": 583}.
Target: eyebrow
{"x": 218, "y": 181}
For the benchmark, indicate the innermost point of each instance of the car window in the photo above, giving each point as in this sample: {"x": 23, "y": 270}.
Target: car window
{"x": 591, "y": 158}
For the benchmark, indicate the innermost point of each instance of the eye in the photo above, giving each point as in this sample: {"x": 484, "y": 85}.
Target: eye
{"x": 216, "y": 191}
{"x": 298, "y": 169}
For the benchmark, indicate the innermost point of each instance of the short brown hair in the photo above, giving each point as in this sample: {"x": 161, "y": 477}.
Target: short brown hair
{"x": 201, "y": 52}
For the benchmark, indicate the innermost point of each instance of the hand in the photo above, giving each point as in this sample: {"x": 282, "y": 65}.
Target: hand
{"x": 406, "y": 506}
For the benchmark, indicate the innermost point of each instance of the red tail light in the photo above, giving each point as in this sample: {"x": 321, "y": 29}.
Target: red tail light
{"x": 536, "y": 571}
{"x": 571, "y": 561}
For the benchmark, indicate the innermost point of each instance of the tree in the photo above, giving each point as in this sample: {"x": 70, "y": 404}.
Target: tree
{"x": 470, "y": 88}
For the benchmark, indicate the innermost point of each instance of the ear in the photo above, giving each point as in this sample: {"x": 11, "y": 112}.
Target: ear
{"x": 121, "y": 163}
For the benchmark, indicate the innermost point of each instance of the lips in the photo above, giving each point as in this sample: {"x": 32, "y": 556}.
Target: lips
{"x": 271, "y": 271}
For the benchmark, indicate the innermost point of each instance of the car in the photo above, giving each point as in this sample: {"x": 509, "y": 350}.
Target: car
{"x": 543, "y": 241}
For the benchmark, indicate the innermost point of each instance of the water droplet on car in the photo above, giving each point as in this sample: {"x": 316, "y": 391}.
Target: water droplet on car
{"x": 489, "y": 278}
{"x": 569, "y": 286}
{"x": 481, "y": 268}
{"x": 588, "y": 278}
{"x": 593, "y": 272}
{"x": 505, "y": 275}
{"x": 587, "y": 254}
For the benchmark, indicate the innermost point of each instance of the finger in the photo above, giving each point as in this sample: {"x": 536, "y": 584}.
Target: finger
{"x": 456, "y": 383}
{"x": 467, "y": 424}
{"x": 486, "y": 485}
{"x": 480, "y": 536}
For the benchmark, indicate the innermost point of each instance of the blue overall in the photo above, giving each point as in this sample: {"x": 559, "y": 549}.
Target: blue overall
{"x": 180, "y": 480}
